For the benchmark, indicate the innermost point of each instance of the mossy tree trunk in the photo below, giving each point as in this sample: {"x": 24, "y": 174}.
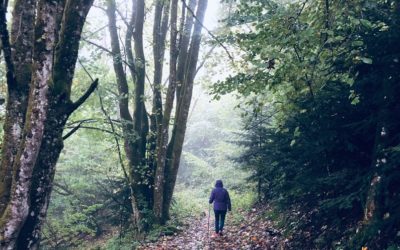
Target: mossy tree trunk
{"x": 51, "y": 29}
{"x": 154, "y": 155}
{"x": 19, "y": 61}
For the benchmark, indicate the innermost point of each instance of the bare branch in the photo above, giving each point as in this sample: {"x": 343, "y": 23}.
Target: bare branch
{"x": 116, "y": 140}
{"x": 86, "y": 71}
{"x": 205, "y": 59}
{"x": 80, "y": 126}
{"x": 209, "y": 32}
{"x": 84, "y": 97}
{"x": 123, "y": 18}
{"x": 97, "y": 45}
{"x": 89, "y": 34}
{"x": 91, "y": 120}
{"x": 99, "y": 7}
{"x": 71, "y": 132}
{"x": 102, "y": 130}
{"x": 62, "y": 189}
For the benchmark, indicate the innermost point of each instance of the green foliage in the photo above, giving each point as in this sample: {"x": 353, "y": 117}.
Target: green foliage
{"x": 194, "y": 170}
{"x": 122, "y": 242}
{"x": 188, "y": 203}
{"x": 242, "y": 201}
{"x": 208, "y": 155}
{"x": 90, "y": 198}
{"x": 319, "y": 81}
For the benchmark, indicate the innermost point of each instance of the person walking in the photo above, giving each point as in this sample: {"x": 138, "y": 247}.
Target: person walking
{"x": 222, "y": 203}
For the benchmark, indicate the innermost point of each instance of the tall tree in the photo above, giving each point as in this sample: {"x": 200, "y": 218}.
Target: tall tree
{"x": 152, "y": 153}
{"x": 40, "y": 62}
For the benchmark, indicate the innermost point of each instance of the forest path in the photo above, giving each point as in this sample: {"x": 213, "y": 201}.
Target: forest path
{"x": 251, "y": 232}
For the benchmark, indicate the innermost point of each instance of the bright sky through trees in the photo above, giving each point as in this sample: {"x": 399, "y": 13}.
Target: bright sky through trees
{"x": 212, "y": 17}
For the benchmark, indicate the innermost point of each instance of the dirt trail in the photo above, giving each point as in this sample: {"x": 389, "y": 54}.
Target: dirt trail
{"x": 251, "y": 233}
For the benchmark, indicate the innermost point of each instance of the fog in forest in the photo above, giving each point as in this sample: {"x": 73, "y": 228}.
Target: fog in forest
{"x": 117, "y": 118}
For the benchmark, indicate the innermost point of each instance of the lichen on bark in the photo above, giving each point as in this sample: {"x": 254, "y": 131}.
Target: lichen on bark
{"x": 31, "y": 172}
{"x": 18, "y": 208}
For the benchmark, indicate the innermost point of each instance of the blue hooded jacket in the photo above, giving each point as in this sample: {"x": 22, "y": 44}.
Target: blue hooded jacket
{"x": 220, "y": 197}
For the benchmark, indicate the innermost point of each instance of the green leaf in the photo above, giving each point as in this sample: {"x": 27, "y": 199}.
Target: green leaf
{"x": 366, "y": 23}
{"x": 366, "y": 60}
{"x": 357, "y": 43}
{"x": 296, "y": 132}
{"x": 355, "y": 101}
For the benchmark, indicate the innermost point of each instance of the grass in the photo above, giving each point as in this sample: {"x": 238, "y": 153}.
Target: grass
{"x": 188, "y": 203}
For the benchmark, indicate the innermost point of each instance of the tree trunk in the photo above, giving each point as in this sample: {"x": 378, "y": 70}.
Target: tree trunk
{"x": 42, "y": 179}
{"x": 159, "y": 35}
{"x": 186, "y": 30}
{"x": 152, "y": 175}
{"x": 17, "y": 209}
{"x": 18, "y": 89}
{"x": 178, "y": 134}
{"x": 134, "y": 128}
{"x": 48, "y": 109}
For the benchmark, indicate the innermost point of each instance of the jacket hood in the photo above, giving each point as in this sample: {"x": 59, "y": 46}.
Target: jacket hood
{"x": 219, "y": 183}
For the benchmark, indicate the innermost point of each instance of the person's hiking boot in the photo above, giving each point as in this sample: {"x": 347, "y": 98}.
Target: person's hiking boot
{"x": 221, "y": 234}
{"x": 214, "y": 235}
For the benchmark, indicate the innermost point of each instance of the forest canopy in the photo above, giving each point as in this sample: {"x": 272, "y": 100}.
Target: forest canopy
{"x": 320, "y": 80}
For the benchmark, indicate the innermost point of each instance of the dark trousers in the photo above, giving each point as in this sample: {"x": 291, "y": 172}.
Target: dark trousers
{"x": 219, "y": 220}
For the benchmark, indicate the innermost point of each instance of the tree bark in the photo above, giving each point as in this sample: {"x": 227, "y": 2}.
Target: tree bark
{"x": 163, "y": 133}
{"x": 178, "y": 134}
{"x": 159, "y": 36}
{"x": 139, "y": 112}
{"x": 57, "y": 29}
{"x": 19, "y": 76}
{"x": 147, "y": 151}
{"x": 17, "y": 209}
{"x": 126, "y": 118}
{"x": 184, "y": 40}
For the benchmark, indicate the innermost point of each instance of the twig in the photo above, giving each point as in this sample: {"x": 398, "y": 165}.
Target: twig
{"x": 104, "y": 49}
{"x": 81, "y": 121}
{"x": 99, "y": 129}
{"x": 89, "y": 34}
{"x": 205, "y": 59}
{"x": 110, "y": 121}
{"x": 209, "y": 32}
{"x": 99, "y": 7}
{"x": 102, "y": 130}
{"x": 64, "y": 189}
{"x": 116, "y": 140}
{"x": 110, "y": 194}
{"x": 97, "y": 45}
{"x": 86, "y": 71}
{"x": 122, "y": 17}
{"x": 91, "y": 120}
